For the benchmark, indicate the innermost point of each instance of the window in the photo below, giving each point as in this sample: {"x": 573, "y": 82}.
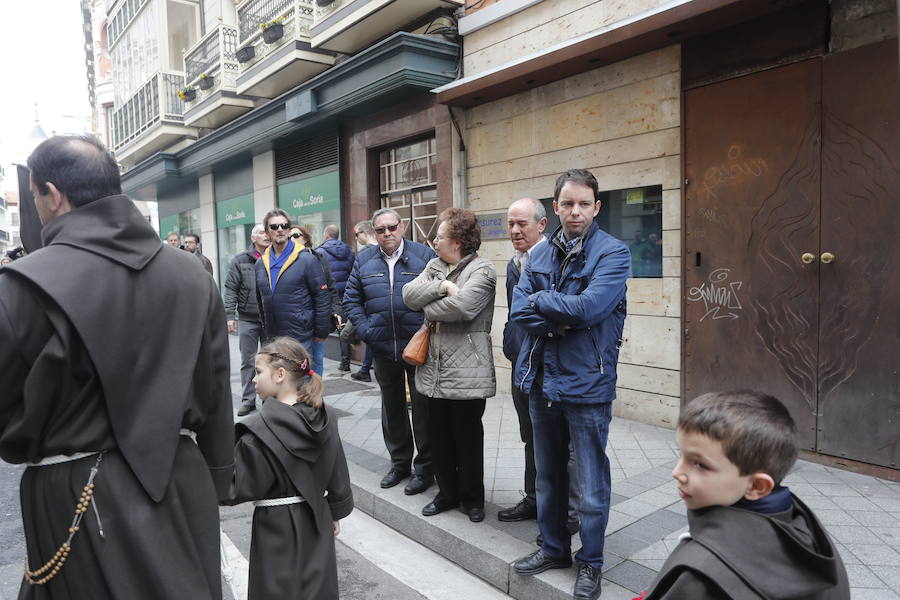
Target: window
{"x": 634, "y": 216}
{"x": 408, "y": 184}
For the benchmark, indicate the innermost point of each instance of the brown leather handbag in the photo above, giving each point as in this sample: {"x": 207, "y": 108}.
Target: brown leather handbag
{"x": 416, "y": 351}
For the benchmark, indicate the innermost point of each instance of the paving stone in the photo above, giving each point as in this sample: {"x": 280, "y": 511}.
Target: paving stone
{"x": 889, "y": 575}
{"x": 861, "y": 576}
{"x": 632, "y": 576}
{"x": 875, "y": 518}
{"x": 835, "y": 489}
{"x": 618, "y": 520}
{"x": 667, "y": 519}
{"x": 624, "y": 545}
{"x": 888, "y": 504}
{"x": 848, "y": 557}
{"x": 628, "y": 489}
{"x": 854, "y": 503}
{"x": 830, "y": 517}
{"x": 888, "y": 535}
{"x": 849, "y": 534}
{"x": 646, "y": 531}
{"x": 875, "y": 554}
{"x": 636, "y": 508}
{"x": 656, "y": 551}
{"x": 873, "y": 594}
{"x": 657, "y": 498}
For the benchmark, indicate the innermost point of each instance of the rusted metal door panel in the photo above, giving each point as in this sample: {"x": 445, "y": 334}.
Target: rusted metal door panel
{"x": 752, "y": 161}
{"x": 859, "y": 355}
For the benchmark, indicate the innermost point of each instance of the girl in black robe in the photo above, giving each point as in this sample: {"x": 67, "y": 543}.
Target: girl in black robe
{"x": 286, "y": 451}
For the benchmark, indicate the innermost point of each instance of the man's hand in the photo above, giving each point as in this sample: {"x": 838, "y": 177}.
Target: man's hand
{"x": 340, "y": 321}
{"x": 336, "y": 525}
{"x": 449, "y": 288}
{"x": 232, "y": 326}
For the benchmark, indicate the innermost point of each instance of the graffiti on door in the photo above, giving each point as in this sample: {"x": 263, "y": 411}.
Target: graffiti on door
{"x": 719, "y": 296}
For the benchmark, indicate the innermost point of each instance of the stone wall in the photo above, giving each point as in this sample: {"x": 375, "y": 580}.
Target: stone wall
{"x": 622, "y": 122}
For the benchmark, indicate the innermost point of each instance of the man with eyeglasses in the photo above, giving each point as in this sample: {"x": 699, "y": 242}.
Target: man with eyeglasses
{"x": 373, "y": 301}
{"x": 294, "y": 299}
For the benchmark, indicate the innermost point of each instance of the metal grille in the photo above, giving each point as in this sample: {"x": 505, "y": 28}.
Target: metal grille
{"x": 306, "y": 156}
{"x": 229, "y": 42}
{"x": 408, "y": 184}
{"x": 254, "y": 12}
{"x": 172, "y": 82}
{"x": 137, "y": 114}
{"x": 203, "y": 57}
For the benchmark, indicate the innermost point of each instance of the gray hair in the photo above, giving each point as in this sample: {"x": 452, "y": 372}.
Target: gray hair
{"x": 538, "y": 209}
{"x": 173, "y": 233}
{"x": 386, "y": 211}
{"x": 257, "y": 229}
{"x": 364, "y": 227}
{"x": 331, "y": 231}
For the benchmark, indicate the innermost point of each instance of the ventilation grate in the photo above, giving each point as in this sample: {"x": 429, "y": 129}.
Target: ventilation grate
{"x": 308, "y": 155}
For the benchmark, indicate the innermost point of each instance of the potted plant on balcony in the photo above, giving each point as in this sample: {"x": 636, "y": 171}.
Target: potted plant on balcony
{"x": 188, "y": 94}
{"x": 206, "y": 81}
{"x": 246, "y": 53}
{"x": 273, "y": 30}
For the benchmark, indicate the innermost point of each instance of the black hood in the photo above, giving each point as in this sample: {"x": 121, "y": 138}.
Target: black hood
{"x": 111, "y": 227}
{"x": 301, "y": 429}
{"x": 784, "y": 555}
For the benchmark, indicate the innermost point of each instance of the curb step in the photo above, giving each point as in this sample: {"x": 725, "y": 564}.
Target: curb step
{"x": 481, "y": 549}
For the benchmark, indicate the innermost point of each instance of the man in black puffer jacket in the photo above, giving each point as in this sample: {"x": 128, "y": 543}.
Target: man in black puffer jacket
{"x": 242, "y": 311}
{"x": 340, "y": 258}
{"x": 373, "y": 302}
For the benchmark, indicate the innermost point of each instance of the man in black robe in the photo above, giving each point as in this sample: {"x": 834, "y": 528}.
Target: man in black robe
{"x": 114, "y": 349}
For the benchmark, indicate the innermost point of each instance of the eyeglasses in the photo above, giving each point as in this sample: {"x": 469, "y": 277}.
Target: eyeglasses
{"x": 277, "y": 226}
{"x": 381, "y": 230}
{"x": 297, "y": 235}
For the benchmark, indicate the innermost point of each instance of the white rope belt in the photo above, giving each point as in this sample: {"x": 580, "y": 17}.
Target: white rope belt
{"x": 61, "y": 458}
{"x": 279, "y": 501}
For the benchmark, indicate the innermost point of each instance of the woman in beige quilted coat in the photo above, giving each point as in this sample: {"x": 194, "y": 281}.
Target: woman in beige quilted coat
{"x": 456, "y": 293}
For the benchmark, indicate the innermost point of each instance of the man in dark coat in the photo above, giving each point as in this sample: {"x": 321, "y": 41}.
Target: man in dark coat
{"x": 373, "y": 302}
{"x": 119, "y": 359}
{"x": 340, "y": 258}
{"x": 294, "y": 299}
{"x": 192, "y": 245}
{"x": 242, "y": 311}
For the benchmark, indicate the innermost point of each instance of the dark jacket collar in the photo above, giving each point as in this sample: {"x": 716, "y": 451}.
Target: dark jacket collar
{"x": 111, "y": 227}
{"x": 554, "y": 239}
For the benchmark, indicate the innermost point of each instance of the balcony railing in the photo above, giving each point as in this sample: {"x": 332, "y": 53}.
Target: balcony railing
{"x": 322, "y": 12}
{"x": 213, "y": 56}
{"x": 155, "y": 101}
{"x": 297, "y": 16}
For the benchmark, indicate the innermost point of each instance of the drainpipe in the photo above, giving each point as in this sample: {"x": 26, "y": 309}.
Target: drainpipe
{"x": 462, "y": 198}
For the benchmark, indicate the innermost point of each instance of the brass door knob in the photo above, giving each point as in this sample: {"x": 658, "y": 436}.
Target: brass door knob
{"x": 827, "y": 258}
{"x": 808, "y": 258}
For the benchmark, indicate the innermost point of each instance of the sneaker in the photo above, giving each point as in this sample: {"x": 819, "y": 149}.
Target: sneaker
{"x": 246, "y": 409}
{"x": 361, "y": 376}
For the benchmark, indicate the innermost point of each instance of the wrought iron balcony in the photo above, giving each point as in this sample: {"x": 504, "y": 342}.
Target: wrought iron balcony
{"x": 296, "y": 16}
{"x": 348, "y": 26}
{"x": 213, "y": 56}
{"x": 212, "y": 67}
{"x": 155, "y": 102}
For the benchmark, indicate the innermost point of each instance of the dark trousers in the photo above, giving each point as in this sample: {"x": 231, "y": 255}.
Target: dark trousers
{"x": 526, "y": 432}
{"x": 345, "y": 352}
{"x": 398, "y": 436}
{"x": 248, "y": 341}
{"x": 367, "y": 360}
{"x": 457, "y": 449}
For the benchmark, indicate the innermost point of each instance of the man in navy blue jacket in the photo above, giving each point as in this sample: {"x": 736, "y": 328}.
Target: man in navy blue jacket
{"x": 373, "y": 302}
{"x": 340, "y": 257}
{"x": 571, "y": 303}
{"x": 294, "y": 299}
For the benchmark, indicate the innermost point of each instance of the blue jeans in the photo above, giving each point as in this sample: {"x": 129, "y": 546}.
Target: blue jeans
{"x": 588, "y": 427}
{"x": 317, "y": 351}
{"x": 367, "y": 360}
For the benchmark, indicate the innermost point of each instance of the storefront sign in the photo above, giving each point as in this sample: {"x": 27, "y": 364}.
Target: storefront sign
{"x": 235, "y": 211}
{"x": 493, "y": 226}
{"x": 312, "y": 195}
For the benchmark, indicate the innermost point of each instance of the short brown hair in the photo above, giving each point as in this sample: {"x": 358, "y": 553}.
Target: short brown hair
{"x": 756, "y": 431}
{"x": 289, "y": 354}
{"x": 462, "y": 226}
{"x": 579, "y": 177}
{"x": 275, "y": 212}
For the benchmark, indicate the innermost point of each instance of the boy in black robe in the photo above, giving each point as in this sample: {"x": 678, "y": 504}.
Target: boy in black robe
{"x": 113, "y": 343}
{"x": 289, "y": 460}
{"x": 750, "y": 538}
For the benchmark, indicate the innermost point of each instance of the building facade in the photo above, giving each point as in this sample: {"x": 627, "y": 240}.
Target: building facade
{"x": 743, "y": 148}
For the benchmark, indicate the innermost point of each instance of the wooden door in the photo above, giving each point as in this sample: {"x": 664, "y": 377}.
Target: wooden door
{"x": 859, "y": 322}
{"x": 752, "y": 164}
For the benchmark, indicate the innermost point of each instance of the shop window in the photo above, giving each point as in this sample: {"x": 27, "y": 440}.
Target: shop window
{"x": 633, "y": 215}
{"x": 408, "y": 184}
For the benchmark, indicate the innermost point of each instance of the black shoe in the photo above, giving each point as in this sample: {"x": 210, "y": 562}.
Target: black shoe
{"x": 393, "y": 478}
{"x": 587, "y": 583}
{"x": 438, "y": 505}
{"x": 246, "y": 409}
{"x": 476, "y": 514}
{"x": 523, "y": 511}
{"x": 361, "y": 376}
{"x": 537, "y": 562}
{"x": 344, "y": 366}
{"x": 417, "y": 484}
